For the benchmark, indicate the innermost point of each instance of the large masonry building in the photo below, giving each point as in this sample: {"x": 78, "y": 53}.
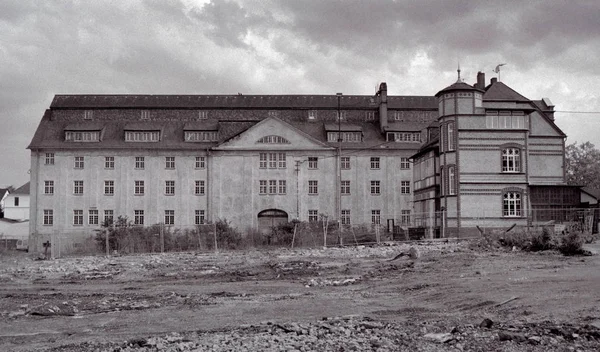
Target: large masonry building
{"x": 257, "y": 160}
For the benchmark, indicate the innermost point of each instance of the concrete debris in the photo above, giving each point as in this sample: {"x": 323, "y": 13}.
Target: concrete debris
{"x": 330, "y": 282}
{"x": 439, "y": 337}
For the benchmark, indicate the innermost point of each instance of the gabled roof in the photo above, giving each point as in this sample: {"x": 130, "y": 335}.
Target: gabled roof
{"x": 129, "y": 101}
{"x": 499, "y": 91}
{"x": 22, "y": 190}
{"x": 3, "y": 192}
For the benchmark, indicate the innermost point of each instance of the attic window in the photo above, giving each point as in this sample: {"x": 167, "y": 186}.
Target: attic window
{"x": 142, "y": 136}
{"x": 312, "y": 114}
{"x": 202, "y": 115}
{"x": 404, "y": 137}
{"x": 88, "y": 114}
{"x": 82, "y": 136}
{"x": 370, "y": 115}
{"x": 345, "y": 136}
{"x": 399, "y": 115}
{"x": 272, "y": 139}
{"x": 145, "y": 115}
{"x": 273, "y": 113}
{"x": 201, "y": 136}
{"x": 341, "y": 115}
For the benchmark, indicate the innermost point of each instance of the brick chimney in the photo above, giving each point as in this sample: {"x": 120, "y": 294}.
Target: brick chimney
{"x": 494, "y": 80}
{"x": 383, "y": 119}
{"x": 480, "y": 80}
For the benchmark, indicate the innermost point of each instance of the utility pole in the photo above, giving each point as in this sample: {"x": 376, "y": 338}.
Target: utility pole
{"x": 339, "y": 169}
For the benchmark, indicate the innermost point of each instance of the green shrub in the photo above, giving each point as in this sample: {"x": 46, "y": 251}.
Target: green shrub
{"x": 541, "y": 241}
{"x": 571, "y": 244}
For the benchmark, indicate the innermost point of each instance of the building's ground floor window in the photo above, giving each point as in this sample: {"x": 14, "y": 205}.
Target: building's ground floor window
{"x": 199, "y": 217}
{"x": 376, "y": 217}
{"x": 138, "y": 218}
{"x": 169, "y": 217}
{"x": 48, "y": 217}
{"x": 345, "y": 217}
{"x": 512, "y": 205}
{"x": 313, "y": 215}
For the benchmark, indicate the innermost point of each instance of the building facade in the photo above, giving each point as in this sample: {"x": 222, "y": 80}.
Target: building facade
{"x": 16, "y": 204}
{"x": 253, "y": 160}
{"x": 476, "y": 152}
{"x": 496, "y": 158}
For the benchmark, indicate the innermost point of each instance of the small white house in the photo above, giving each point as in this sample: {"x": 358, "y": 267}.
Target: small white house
{"x": 16, "y": 205}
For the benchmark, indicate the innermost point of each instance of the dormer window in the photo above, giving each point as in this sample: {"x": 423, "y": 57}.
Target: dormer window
{"x": 272, "y": 139}
{"x": 142, "y": 136}
{"x": 201, "y": 136}
{"x": 414, "y": 137}
{"x": 345, "y": 136}
{"x": 82, "y": 136}
{"x": 88, "y": 114}
{"x": 312, "y": 114}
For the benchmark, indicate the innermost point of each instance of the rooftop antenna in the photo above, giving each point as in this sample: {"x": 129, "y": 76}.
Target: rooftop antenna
{"x": 458, "y": 71}
{"x": 497, "y": 70}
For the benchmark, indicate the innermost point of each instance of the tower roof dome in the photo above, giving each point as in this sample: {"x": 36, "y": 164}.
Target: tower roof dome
{"x": 458, "y": 86}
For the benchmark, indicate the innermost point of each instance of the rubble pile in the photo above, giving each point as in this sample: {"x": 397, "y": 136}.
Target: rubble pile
{"x": 364, "y": 334}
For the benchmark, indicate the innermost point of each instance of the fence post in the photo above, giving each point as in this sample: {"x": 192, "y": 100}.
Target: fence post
{"x": 106, "y": 233}
{"x": 52, "y": 244}
{"x": 162, "y": 237}
{"x": 294, "y": 236}
{"x": 215, "y": 232}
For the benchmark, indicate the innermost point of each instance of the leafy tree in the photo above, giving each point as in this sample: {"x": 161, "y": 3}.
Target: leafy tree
{"x": 583, "y": 165}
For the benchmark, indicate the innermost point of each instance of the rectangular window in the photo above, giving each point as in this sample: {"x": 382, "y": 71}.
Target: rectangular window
{"x": 88, "y": 114}
{"x": 200, "y": 162}
{"x": 511, "y": 205}
{"x": 282, "y": 160}
{"x": 16, "y": 201}
{"x": 370, "y": 115}
{"x": 48, "y": 187}
{"x": 518, "y": 121}
{"x": 138, "y": 217}
{"x": 451, "y": 181}
{"x": 345, "y": 187}
{"x": 140, "y": 162}
{"x": 48, "y": 217}
{"x": 313, "y": 162}
{"x": 272, "y": 186}
{"x": 82, "y": 136}
{"x": 142, "y": 136}
{"x": 375, "y": 187}
{"x": 109, "y": 162}
{"x": 405, "y": 217}
{"x": 345, "y": 161}
{"x": 139, "y": 188}
{"x": 345, "y": 137}
{"x": 169, "y": 217}
{"x": 145, "y": 115}
{"x": 313, "y": 187}
{"x": 78, "y": 187}
{"x": 79, "y": 161}
{"x": 262, "y": 187}
{"x": 78, "y": 217}
{"x": 341, "y": 115}
{"x": 263, "y": 161}
{"x": 109, "y": 188}
{"x": 199, "y": 217}
{"x": 109, "y": 217}
{"x": 374, "y": 163}
{"x": 49, "y": 159}
{"x": 345, "y": 217}
{"x": 273, "y": 113}
{"x": 405, "y": 187}
{"x": 404, "y": 163}
{"x": 376, "y": 217}
{"x": 313, "y": 215}
{"x": 170, "y": 188}
{"x": 272, "y": 160}
{"x": 451, "y": 136}
{"x": 169, "y": 162}
{"x": 201, "y": 136}
{"x": 312, "y": 114}
{"x": 202, "y": 115}
{"x": 93, "y": 216}
{"x": 282, "y": 187}
{"x": 199, "y": 188}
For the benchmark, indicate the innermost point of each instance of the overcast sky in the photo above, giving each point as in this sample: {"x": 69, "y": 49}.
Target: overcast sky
{"x": 551, "y": 49}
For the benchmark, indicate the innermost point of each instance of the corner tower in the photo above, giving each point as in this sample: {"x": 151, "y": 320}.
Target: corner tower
{"x": 457, "y": 104}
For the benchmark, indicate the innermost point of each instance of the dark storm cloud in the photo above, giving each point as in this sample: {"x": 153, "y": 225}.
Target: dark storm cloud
{"x": 229, "y": 22}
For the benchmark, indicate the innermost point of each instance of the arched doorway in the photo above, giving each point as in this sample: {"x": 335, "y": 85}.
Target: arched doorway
{"x": 269, "y": 218}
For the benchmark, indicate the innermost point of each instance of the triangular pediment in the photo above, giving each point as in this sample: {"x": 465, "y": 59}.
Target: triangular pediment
{"x": 272, "y": 133}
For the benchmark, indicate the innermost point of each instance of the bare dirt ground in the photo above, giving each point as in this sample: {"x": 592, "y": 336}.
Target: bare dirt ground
{"x": 335, "y": 299}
